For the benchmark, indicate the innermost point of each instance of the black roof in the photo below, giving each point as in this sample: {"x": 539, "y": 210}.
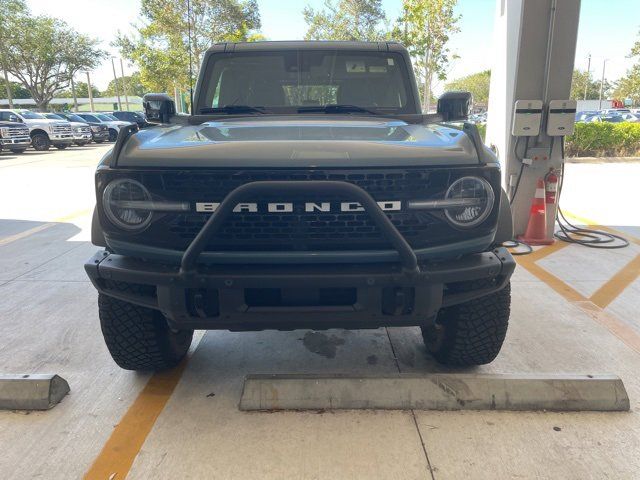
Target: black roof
{"x": 306, "y": 45}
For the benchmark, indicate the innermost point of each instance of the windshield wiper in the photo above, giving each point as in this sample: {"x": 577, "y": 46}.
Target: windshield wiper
{"x": 341, "y": 108}
{"x": 233, "y": 109}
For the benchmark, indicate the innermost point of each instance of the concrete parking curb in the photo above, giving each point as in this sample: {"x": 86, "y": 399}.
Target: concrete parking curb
{"x": 436, "y": 392}
{"x": 31, "y": 392}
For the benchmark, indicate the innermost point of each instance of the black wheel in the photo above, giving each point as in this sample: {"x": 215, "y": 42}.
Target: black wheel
{"x": 81, "y": 144}
{"x": 112, "y": 135}
{"x": 40, "y": 142}
{"x": 139, "y": 338}
{"x": 99, "y": 141}
{"x": 17, "y": 151}
{"x": 61, "y": 146}
{"x": 470, "y": 333}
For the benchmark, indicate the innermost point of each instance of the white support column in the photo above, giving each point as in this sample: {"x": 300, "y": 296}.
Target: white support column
{"x": 534, "y": 51}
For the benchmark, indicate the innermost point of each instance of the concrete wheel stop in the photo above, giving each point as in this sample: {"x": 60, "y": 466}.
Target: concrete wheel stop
{"x": 438, "y": 391}
{"x": 31, "y": 392}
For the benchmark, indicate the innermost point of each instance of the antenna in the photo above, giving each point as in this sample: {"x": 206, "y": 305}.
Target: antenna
{"x": 190, "y": 55}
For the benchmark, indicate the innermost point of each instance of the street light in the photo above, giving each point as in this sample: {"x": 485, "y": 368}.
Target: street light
{"x": 115, "y": 80}
{"x": 604, "y": 64}
{"x": 90, "y": 91}
{"x": 587, "y": 81}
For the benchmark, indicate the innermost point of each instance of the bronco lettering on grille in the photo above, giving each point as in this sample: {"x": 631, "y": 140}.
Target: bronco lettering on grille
{"x": 289, "y": 207}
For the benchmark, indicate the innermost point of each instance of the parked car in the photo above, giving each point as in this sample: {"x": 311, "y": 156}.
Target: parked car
{"x": 99, "y": 131}
{"x": 81, "y": 130}
{"x": 612, "y": 118}
{"x": 585, "y": 115}
{"x": 14, "y": 136}
{"x": 133, "y": 117}
{"x": 631, "y": 117}
{"x": 301, "y": 209}
{"x": 44, "y": 132}
{"x": 613, "y": 111}
{"x": 114, "y": 126}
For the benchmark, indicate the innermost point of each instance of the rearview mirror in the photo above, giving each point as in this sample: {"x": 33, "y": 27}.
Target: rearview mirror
{"x": 158, "y": 107}
{"x": 454, "y": 105}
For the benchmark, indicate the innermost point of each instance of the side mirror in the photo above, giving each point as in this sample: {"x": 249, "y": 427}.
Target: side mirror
{"x": 13, "y": 118}
{"x": 454, "y": 105}
{"x": 158, "y": 107}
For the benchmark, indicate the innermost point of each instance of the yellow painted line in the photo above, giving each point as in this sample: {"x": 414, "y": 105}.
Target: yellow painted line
{"x": 26, "y": 233}
{"x": 44, "y": 226}
{"x": 127, "y": 438}
{"x": 542, "y": 252}
{"x": 617, "y": 327}
{"x": 617, "y": 284}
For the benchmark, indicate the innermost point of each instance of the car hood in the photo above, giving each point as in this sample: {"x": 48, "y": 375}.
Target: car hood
{"x": 298, "y": 142}
{"x": 78, "y": 124}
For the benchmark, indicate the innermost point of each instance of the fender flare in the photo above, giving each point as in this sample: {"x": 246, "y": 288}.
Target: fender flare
{"x": 97, "y": 235}
{"x": 504, "y": 232}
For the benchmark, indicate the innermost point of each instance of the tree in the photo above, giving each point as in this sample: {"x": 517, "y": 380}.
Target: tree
{"x": 476, "y": 83}
{"x": 82, "y": 91}
{"x": 42, "y": 53}
{"x": 581, "y": 79}
{"x": 160, "y": 48}
{"x": 10, "y": 11}
{"x": 133, "y": 83}
{"x": 629, "y": 85}
{"x": 424, "y": 28}
{"x": 345, "y": 20}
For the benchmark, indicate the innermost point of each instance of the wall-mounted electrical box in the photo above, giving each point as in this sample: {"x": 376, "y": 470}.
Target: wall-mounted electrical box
{"x": 561, "y": 119}
{"x": 527, "y": 115}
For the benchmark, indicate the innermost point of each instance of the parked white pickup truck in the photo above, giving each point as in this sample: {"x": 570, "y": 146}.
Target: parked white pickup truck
{"x": 43, "y": 131}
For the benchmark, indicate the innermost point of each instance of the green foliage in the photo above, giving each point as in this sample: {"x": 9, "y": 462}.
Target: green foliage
{"x": 160, "y": 48}
{"x": 599, "y": 139}
{"x": 345, "y": 20}
{"x": 476, "y": 83}
{"x": 42, "y": 52}
{"x": 580, "y": 79}
{"x": 132, "y": 82}
{"x": 82, "y": 91}
{"x": 629, "y": 85}
{"x": 424, "y": 28}
{"x": 18, "y": 91}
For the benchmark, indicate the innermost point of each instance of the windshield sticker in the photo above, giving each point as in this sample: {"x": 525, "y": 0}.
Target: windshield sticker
{"x": 390, "y": 61}
{"x": 356, "y": 66}
{"x": 378, "y": 69}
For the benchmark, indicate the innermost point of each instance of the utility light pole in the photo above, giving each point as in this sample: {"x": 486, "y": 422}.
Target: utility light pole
{"x": 124, "y": 85}
{"x": 115, "y": 81}
{"x": 604, "y": 63}
{"x": 8, "y": 85}
{"x": 90, "y": 90}
{"x": 587, "y": 80}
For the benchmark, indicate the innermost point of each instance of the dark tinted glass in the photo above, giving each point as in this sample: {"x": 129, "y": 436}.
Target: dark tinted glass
{"x": 287, "y": 80}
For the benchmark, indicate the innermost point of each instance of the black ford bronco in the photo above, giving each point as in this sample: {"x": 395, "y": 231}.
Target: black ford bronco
{"x": 306, "y": 190}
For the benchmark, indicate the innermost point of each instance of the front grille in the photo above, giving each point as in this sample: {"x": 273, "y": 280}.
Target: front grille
{"x": 83, "y": 130}
{"x": 62, "y": 129}
{"x": 300, "y": 230}
{"x": 18, "y": 132}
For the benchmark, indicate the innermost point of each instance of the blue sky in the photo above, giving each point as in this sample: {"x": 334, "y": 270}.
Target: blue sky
{"x": 608, "y": 28}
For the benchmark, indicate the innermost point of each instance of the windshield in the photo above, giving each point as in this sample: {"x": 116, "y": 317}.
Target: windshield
{"x": 104, "y": 118}
{"x": 91, "y": 118}
{"x": 30, "y": 115}
{"x": 53, "y": 116}
{"x": 108, "y": 115}
{"x": 74, "y": 118}
{"x": 301, "y": 81}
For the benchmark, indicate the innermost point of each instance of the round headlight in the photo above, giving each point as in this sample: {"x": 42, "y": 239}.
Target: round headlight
{"x": 120, "y": 200}
{"x": 471, "y": 200}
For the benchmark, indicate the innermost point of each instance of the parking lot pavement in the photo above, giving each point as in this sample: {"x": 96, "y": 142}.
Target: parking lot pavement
{"x": 120, "y": 421}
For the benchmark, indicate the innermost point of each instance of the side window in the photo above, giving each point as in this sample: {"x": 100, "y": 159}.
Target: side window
{"x": 4, "y": 116}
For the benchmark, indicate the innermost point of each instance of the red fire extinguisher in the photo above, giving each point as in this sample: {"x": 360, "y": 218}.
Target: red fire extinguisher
{"x": 551, "y": 186}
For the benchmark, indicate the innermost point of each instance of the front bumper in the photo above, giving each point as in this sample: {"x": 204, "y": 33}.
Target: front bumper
{"x": 361, "y": 294}
{"x": 220, "y": 297}
{"x": 61, "y": 139}
{"x": 81, "y": 137}
{"x": 104, "y": 135}
{"x": 15, "y": 142}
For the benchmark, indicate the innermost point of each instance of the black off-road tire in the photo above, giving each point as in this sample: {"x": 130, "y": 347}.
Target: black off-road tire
{"x": 139, "y": 338}
{"x": 470, "y": 333}
{"x": 62, "y": 146}
{"x": 40, "y": 142}
{"x": 113, "y": 135}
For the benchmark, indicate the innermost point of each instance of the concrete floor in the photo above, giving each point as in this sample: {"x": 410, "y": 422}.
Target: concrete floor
{"x": 48, "y": 317}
